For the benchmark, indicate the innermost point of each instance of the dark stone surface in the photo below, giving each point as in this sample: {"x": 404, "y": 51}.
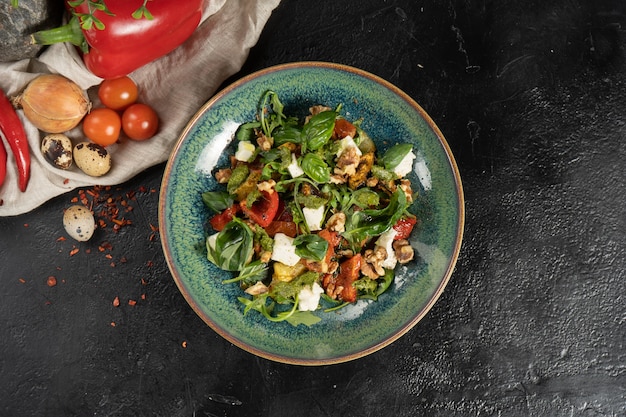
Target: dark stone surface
{"x": 532, "y": 99}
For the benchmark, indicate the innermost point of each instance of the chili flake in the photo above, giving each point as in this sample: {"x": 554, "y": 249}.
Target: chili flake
{"x": 116, "y": 302}
{"x": 52, "y": 281}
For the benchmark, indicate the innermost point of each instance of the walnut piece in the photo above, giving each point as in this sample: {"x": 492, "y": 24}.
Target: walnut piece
{"x": 223, "y": 175}
{"x": 337, "y": 222}
{"x": 403, "y": 251}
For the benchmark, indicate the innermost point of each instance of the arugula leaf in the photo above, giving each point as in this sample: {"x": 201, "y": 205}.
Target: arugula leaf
{"x": 217, "y": 200}
{"x": 371, "y": 289}
{"x": 231, "y": 248}
{"x": 318, "y": 130}
{"x": 311, "y": 247}
{"x": 250, "y": 274}
{"x": 369, "y": 223}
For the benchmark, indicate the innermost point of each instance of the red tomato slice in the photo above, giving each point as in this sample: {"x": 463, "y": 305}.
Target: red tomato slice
{"x": 404, "y": 227}
{"x": 278, "y": 226}
{"x": 263, "y": 210}
{"x": 222, "y": 219}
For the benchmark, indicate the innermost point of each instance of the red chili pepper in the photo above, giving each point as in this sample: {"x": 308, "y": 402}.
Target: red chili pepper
{"x": 263, "y": 210}
{"x": 3, "y": 162}
{"x": 128, "y": 39}
{"x": 13, "y": 130}
{"x": 404, "y": 227}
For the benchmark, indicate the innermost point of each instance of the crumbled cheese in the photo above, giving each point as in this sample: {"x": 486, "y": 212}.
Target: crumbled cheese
{"x": 314, "y": 217}
{"x": 386, "y": 241}
{"x": 245, "y": 150}
{"x": 309, "y": 298}
{"x": 293, "y": 168}
{"x": 406, "y": 165}
{"x": 347, "y": 143}
{"x": 284, "y": 251}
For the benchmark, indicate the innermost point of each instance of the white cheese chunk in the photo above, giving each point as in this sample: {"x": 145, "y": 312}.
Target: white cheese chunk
{"x": 284, "y": 250}
{"x": 245, "y": 150}
{"x": 314, "y": 217}
{"x": 406, "y": 165}
{"x": 386, "y": 241}
{"x": 347, "y": 143}
{"x": 293, "y": 168}
{"x": 309, "y": 298}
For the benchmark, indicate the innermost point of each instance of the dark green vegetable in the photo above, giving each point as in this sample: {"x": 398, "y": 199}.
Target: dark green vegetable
{"x": 238, "y": 177}
{"x": 246, "y": 131}
{"x": 315, "y": 168}
{"x": 395, "y": 155}
{"x": 217, "y": 200}
{"x": 318, "y": 131}
{"x": 251, "y": 274}
{"x": 368, "y": 223}
{"x": 232, "y": 248}
{"x": 311, "y": 247}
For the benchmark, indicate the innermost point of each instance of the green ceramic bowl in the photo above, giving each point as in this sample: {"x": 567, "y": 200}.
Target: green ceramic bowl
{"x": 389, "y": 116}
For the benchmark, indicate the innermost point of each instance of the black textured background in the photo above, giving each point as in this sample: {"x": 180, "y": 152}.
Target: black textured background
{"x": 531, "y": 96}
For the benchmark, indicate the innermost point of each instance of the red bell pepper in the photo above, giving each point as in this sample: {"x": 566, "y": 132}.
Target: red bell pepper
{"x": 263, "y": 210}
{"x": 220, "y": 220}
{"x": 13, "y": 130}
{"x": 127, "y": 34}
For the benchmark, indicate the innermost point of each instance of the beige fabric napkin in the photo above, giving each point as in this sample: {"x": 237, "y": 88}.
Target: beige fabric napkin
{"x": 175, "y": 85}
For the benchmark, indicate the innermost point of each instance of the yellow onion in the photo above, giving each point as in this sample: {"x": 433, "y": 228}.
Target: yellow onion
{"x": 53, "y": 103}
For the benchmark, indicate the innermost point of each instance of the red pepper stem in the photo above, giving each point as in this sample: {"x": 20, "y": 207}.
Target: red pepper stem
{"x": 70, "y": 32}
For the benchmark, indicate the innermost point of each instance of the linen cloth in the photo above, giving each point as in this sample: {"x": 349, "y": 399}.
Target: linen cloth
{"x": 176, "y": 86}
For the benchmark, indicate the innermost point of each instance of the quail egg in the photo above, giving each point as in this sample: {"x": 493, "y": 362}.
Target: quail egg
{"x": 57, "y": 149}
{"x": 92, "y": 159}
{"x": 79, "y": 223}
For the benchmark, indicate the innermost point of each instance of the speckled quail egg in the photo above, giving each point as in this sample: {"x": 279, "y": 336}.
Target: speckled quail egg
{"x": 92, "y": 159}
{"x": 57, "y": 149}
{"x": 79, "y": 223}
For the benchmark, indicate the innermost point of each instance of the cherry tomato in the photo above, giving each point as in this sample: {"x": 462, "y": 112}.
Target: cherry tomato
{"x": 102, "y": 126}
{"x": 140, "y": 121}
{"x": 118, "y": 93}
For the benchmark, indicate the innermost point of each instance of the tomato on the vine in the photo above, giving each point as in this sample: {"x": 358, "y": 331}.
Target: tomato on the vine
{"x": 140, "y": 121}
{"x": 118, "y": 93}
{"x": 102, "y": 126}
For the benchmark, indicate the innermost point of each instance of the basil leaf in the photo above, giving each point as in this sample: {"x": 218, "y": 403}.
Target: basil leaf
{"x": 395, "y": 155}
{"x": 246, "y": 131}
{"x": 231, "y": 248}
{"x": 311, "y": 247}
{"x": 217, "y": 200}
{"x": 287, "y": 133}
{"x": 369, "y": 223}
{"x": 318, "y": 130}
{"x": 315, "y": 168}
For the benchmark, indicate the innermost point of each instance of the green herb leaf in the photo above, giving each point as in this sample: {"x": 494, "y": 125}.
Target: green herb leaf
{"x": 287, "y": 133}
{"x": 250, "y": 274}
{"x": 315, "y": 168}
{"x": 318, "y": 130}
{"x": 369, "y": 223}
{"x": 217, "y": 201}
{"x": 395, "y": 155}
{"x": 231, "y": 248}
{"x": 245, "y": 131}
{"x": 311, "y": 247}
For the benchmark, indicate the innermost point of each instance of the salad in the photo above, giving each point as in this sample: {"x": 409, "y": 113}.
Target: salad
{"x": 309, "y": 216}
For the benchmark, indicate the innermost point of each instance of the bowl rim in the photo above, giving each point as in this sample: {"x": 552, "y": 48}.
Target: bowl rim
{"x": 458, "y": 235}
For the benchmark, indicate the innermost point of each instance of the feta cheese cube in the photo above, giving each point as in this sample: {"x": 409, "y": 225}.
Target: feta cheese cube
{"x": 406, "y": 165}
{"x": 293, "y": 168}
{"x": 309, "y": 298}
{"x": 347, "y": 143}
{"x": 284, "y": 250}
{"x": 386, "y": 241}
{"x": 314, "y": 217}
{"x": 245, "y": 150}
